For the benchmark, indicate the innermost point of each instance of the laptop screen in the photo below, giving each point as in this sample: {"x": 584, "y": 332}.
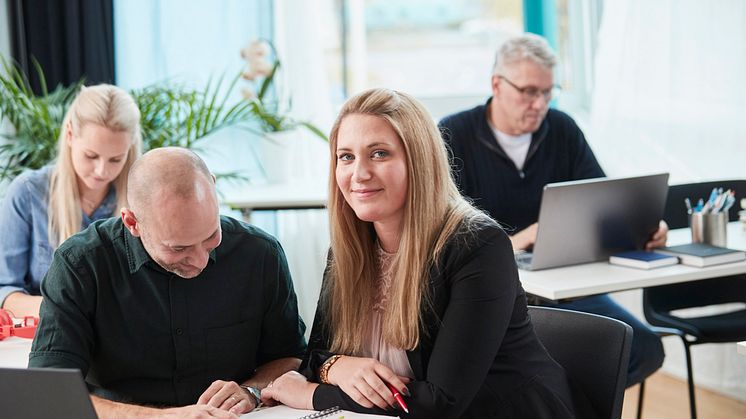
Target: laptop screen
{"x": 588, "y": 220}
{"x": 44, "y": 393}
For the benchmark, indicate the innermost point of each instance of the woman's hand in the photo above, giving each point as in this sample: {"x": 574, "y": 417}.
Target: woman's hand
{"x": 364, "y": 380}
{"x": 291, "y": 389}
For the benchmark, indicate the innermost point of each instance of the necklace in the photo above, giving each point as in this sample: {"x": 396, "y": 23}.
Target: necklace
{"x": 89, "y": 205}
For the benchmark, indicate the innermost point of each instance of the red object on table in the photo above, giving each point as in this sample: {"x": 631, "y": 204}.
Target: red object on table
{"x": 26, "y": 329}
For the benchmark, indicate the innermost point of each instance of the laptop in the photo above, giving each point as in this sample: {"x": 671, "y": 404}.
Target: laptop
{"x": 44, "y": 393}
{"x": 589, "y": 220}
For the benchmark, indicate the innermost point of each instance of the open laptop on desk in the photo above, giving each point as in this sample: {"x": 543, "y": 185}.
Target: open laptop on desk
{"x": 588, "y": 220}
{"x": 44, "y": 393}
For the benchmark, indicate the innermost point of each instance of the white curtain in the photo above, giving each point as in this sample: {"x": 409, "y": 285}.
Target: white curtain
{"x": 305, "y": 234}
{"x": 670, "y": 89}
{"x": 669, "y": 97}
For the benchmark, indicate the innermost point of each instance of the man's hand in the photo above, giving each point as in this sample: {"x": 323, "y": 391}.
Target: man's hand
{"x": 227, "y": 395}
{"x": 525, "y": 239}
{"x": 291, "y": 389}
{"x": 659, "y": 237}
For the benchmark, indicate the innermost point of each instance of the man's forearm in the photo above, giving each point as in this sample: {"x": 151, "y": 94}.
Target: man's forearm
{"x": 107, "y": 409}
{"x": 271, "y": 370}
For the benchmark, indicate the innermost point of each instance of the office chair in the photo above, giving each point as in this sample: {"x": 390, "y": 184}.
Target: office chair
{"x": 594, "y": 351}
{"x": 658, "y": 302}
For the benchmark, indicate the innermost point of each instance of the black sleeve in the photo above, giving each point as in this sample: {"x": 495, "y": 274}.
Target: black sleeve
{"x": 584, "y": 165}
{"x": 282, "y": 327}
{"x": 482, "y": 283}
{"x": 65, "y": 336}
{"x": 317, "y": 352}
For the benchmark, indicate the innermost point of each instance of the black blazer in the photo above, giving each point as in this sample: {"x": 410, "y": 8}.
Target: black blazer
{"x": 478, "y": 355}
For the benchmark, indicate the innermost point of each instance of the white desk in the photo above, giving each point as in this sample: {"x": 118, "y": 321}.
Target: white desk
{"x": 742, "y": 347}
{"x": 271, "y": 196}
{"x": 602, "y": 277}
{"x": 305, "y": 194}
{"x": 14, "y": 352}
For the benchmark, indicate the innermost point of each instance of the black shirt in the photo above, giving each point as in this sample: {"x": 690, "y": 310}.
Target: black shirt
{"x": 141, "y": 334}
{"x": 558, "y": 152}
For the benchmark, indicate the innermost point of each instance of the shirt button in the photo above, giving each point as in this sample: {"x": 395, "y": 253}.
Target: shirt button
{"x": 179, "y": 331}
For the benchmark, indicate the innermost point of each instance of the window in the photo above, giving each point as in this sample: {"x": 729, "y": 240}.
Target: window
{"x": 440, "y": 51}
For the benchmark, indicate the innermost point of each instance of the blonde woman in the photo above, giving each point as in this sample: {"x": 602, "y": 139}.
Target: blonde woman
{"x": 421, "y": 290}
{"x": 99, "y": 140}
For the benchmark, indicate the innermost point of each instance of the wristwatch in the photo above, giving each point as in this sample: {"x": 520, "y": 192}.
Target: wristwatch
{"x": 254, "y": 392}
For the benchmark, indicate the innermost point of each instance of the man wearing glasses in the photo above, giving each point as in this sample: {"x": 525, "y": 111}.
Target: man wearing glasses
{"x": 506, "y": 150}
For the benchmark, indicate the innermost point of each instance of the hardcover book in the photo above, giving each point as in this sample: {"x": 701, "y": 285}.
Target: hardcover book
{"x": 641, "y": 259}
{"x": 701, "y": 255}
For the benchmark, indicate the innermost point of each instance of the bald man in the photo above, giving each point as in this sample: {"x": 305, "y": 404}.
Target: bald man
{"x": 171, "y": 305}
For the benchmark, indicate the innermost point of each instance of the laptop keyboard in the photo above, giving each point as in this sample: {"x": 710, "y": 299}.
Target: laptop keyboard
{"x": 524, "y": 259}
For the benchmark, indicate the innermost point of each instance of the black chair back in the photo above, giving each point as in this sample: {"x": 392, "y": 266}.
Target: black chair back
{"x": 659, "y": 302}
{"x": 594, "y": 351}
{"x": 675, "y": 210}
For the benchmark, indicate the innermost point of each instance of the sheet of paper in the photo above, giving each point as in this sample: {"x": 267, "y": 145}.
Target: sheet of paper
{"x": 284, "y": 412}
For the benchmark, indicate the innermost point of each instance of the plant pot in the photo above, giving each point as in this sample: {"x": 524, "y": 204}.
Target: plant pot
{"x": 276, "y": 155}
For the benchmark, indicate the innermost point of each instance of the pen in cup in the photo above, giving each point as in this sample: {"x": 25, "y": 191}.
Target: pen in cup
{"x": 398, "y": 397}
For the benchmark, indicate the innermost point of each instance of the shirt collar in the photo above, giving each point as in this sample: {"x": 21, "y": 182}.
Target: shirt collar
{"x": 537, "y": 137}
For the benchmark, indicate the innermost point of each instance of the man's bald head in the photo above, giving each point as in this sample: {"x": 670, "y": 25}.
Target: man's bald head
{"x": 168, "y": 173}
{"x": 173, "y": 210}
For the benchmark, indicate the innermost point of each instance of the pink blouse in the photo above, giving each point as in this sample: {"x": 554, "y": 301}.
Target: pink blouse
{"x": 376, "y": 347}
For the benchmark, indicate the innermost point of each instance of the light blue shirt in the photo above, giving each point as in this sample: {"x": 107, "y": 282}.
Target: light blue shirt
{"x": 25, "y": 250}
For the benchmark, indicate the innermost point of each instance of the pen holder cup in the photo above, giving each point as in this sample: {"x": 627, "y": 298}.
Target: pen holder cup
{"x": 709, "y": 228}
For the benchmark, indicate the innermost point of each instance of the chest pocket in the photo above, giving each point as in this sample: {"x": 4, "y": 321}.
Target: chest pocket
{"x": 231, "y": 350}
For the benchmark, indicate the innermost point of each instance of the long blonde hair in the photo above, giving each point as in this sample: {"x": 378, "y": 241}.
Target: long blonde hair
{"x": 434, "y": 210}
{"x": 104, "y": 105}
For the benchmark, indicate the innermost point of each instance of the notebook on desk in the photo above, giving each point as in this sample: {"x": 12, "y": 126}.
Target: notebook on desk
{"x": 284, "y": 412}
{"x": 44, "y": 393}
{"x": 589, "y": 220}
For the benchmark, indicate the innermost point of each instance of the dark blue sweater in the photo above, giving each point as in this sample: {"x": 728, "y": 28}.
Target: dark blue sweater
{"x": 484, "y": 173}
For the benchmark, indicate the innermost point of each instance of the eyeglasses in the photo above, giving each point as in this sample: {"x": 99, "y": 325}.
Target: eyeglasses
{"x": 530, "y": 93}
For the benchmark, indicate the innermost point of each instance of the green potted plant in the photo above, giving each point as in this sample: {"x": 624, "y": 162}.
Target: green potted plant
{"x": 261, "y": 74}
{"x": 277, "y": 130}
{"x": 172, "y": 115}
{"x": 35, "y": 121}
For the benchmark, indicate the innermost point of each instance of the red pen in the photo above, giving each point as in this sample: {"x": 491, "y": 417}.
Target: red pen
{"x": 397, "y": 396}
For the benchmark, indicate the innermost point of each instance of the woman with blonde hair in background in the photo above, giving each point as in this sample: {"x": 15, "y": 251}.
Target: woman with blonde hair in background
{"x": 421, "y": 290}
{"x": 99, "y": 140}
